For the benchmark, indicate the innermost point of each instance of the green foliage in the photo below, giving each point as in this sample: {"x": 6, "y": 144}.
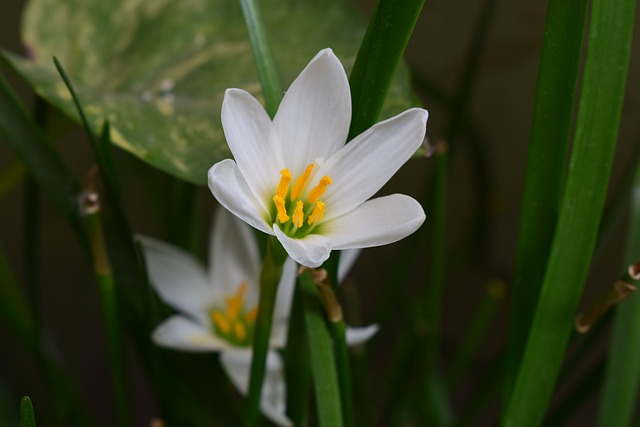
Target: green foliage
{"x": 157, "y": 70}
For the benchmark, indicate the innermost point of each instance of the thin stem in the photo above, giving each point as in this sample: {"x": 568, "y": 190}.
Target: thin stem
{"x": 339, "y": 334}
{"x": 269, "y": 279}
{"x": 264, "y": 61}
{"x": 106, "y": 283}
{"x": 323, "y": 366}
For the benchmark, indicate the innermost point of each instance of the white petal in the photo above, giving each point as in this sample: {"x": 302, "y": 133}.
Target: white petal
{"x": 180, "y": 333}
{"x": 232, "y": 191}
{"x": 253, "y": 142}
{"x": 310, "y": 251}
{"x": 234, "y": 256}
{"x": 347, "y": 259}
{"x": 357, "y": 336}
{"x": 178, "y": 278}
{"x": 364, "y": 165}
{"x": 314, "y": 115}
{"x": 376, "y": 222}
{"x": 237, "y": 363}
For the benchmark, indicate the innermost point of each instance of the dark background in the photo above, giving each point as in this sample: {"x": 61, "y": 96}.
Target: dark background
{"x": 500, "y": 108}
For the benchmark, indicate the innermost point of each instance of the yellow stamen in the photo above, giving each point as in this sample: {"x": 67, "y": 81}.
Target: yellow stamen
{"x": 317, "y": 214}
{"x": 234, "y": 304}
{"x": 283, "y": 186}
{"x": 301, "y": 182}
{"x": 221, "y": 322}
{"x": 250, "y": 316}
{"x": 319, "y": 189}
{"x": 240, "y": 331}
{"x": 282, "y": 211}
{"x": 298, "y": 215}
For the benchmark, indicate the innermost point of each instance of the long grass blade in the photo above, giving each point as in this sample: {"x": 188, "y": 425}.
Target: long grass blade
{"x": 550, "y": 132}
{"x": 577, "y": 228}
{"x": 622, "y": 375}
{"x": 378, "y": 58}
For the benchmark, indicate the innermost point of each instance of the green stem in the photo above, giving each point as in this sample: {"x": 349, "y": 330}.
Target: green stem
{"x": 622, "y": 376}
{"x": 480, "y": 321}
{"x": 380, "y": 52}
{"x": 339, "y": 334}
{"x": 269, "y": 278}
{"x": 297, "y": 367}
{"x": 264, "y": 61}
{"x": 106, "y": 283}
{"x": 323, "y": 366}
{"x": 437, "y": 410}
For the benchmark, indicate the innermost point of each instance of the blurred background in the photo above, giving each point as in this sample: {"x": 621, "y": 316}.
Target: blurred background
{"x": 487, "y": 163}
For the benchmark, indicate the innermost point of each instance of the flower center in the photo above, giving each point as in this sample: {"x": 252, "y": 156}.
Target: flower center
{"x": 233, "y": 323}
{"x": 298, "y": 211}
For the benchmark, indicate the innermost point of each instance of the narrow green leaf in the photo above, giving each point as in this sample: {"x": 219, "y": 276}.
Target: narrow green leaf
{"x": 262, "y": 55}
{"x": 622, "y": 375}
{"x": 574, "y": 240}
{"x": 27, "y": 416}
{"x": 31, "y": 145}
{"x": 297, "y": 366}
{"x": 323, "y": 366}
{"x": 269, "y": 279}
{"x": 106, "y": 283}
{"x": 378, "y": 58}
{"x": 550, "y": 132}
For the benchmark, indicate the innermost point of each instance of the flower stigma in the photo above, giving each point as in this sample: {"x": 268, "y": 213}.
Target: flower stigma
{"x": 234, "y": 324}
{"x": 300, "y": 211}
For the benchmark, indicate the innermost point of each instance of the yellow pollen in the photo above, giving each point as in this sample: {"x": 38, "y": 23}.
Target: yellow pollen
{"x": 283, "y": 186}
{"x": 317, "y": 214}
{"x": 234, "y": 303}
{"x": 301, "y": 182}
{"x": 298, "y": 215}
{"x": 250, "y": 316}
{"x": 282, "y": 210}
{"x": 240, "y": 331}
{"x": 221, "y": 322}
{"x": 319, "y": 189}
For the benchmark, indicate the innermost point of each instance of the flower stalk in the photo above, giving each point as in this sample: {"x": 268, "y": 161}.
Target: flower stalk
{"x": 338, "y": 330}
{"x": 323, "y": 363}
{"x": 106, "y": 283}
{"x": 269, "y": 278}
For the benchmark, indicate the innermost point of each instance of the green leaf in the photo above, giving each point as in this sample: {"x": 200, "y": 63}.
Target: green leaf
{"x": 622, "y": 377}
{"x": 550, "y": 133}
{"x": 157, "y": 70}
{"x": 584, "y": 195}
{"x": 27, "y": 417}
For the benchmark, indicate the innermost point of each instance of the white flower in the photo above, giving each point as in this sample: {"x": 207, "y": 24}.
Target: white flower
{"x": 295, "y": 178}
{"x": 217, "y": 307}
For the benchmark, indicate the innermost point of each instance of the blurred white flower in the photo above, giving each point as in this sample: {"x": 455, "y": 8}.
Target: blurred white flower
{"x": 217, "y": 307}
{"x": 295, "y": 178}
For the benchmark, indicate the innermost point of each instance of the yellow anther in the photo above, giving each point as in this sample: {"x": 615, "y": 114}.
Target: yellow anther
{"x": 319, "y": 189}
{"x": 317, "y": 214}
{"x": 298, "y": 215}
{"x": 240, "y": 331}
{"x": 301, "y": 182}
{"x": 234, "y": 303}
{"x": 221, "y": 322}
{"x": 283, "y": 186}
{"x": 282, "y": 211}
{"x": 250, "y": 316}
